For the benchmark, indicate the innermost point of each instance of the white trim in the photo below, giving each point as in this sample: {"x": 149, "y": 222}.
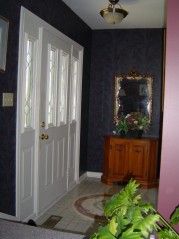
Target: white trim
{"x": 18, "y": 122}
{"x": 50, "y": 28}
{"x": 82, "y": 177}
{"x": 78, "y": 119}
{"x": 94, "y": 175}
{"x": 37, "y": 129}
{"x": 90, "y": 175}
{"x": 8, "y": 217}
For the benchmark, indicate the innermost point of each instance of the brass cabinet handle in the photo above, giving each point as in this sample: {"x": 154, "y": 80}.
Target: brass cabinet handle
{"x": 138, "y": 151}
{"x": 119, "y": 149}
{"x": 44, "y": 137}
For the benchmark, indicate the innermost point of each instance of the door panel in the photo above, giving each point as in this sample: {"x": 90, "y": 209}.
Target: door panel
{"x": 137, "y": 160}
{"x": 53, "y": 149}
{"x": 119, "y": 154}
{"x": 61, "y": 155}
{"x": 71, "y": 164}
{"x": 27, "y": 187}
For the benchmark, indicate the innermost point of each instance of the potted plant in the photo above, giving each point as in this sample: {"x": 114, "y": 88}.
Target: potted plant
{"x": 130, "y": 218}
{"x": 132, "y": 125}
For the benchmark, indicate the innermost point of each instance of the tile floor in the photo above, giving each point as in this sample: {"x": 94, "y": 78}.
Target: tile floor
{"x": 71, "y": 220}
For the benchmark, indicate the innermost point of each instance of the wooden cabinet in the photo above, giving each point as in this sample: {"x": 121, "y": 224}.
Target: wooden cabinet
{"x": 130, "y": 158}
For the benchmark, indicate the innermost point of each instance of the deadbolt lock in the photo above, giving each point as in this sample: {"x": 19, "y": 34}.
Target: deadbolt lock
{"x": 42, "y": 124}
{"x": 44, "y": 137}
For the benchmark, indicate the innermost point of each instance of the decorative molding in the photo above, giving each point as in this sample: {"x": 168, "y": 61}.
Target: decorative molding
{"x": 90, "y": 175}
{"x": 8, "y": 217}
{"x": 94, "y": 174}
{"x": 83, "y": 177}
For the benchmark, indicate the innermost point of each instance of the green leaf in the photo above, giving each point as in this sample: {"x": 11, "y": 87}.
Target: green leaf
{"x": 145, "y": 224}
{"x": 137, "y": 198}
{"x": 131, "y": 234}
{"x": 113, "y": 226}
{"x": 167, "y": 234}
{"x": 117, "y": 202}
{"x": 137, "y": 218}
{"x": 131, "y": 188}
{"x": 122, "y": 223}
{"x": 145, "y": 207}
{"x": 104, "y": 233}
{"x": 122, "y": 200}
{"x": 175, "y": 217}
{"x": 94, "y": 236}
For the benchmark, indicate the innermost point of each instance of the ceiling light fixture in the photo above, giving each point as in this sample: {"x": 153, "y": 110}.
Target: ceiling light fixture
{"x": 113, "y": 14}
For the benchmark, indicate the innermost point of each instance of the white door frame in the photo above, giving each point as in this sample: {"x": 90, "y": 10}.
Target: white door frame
{"x": 27, "y": 14}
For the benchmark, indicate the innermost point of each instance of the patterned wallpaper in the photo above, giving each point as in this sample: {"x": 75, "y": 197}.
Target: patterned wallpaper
{"x": 112, "y": 52}
{"x": 60, "y": 16}
{"x": 120, "y": 51}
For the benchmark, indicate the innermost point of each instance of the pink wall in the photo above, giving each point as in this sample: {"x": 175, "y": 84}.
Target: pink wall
{"x": 169, "y": 174}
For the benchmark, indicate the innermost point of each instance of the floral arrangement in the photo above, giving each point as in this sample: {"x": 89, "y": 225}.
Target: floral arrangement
{"x": 132, "y": 121}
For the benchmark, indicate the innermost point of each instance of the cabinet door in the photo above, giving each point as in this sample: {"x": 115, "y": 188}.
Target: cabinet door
{"x": 119, "y": 159}
{"x": 138, "y": 159}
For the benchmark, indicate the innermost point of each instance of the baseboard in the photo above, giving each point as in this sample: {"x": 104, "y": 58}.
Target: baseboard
{"x": 94, "y": 175}
{"x": 83, "y": 177}
{"x": 8, "y": 217}
{"x": 89, "y": 175}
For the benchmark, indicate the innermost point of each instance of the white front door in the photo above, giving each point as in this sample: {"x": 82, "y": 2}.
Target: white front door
{"x": 53, "y": 118}
{"x": 49, "y": 105}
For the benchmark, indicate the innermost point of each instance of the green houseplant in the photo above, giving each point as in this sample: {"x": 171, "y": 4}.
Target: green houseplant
{"x": 130, "y": 218}
{"x": 132, "y": 123}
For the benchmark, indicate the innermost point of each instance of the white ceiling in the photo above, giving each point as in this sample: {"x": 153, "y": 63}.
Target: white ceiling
{"x": 142, "y": 13}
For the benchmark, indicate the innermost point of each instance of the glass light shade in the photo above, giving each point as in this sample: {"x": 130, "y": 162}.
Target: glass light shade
{"x": 113, "y": 15}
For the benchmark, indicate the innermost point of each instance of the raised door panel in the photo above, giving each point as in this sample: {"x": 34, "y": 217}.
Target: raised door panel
{"x": 138, "y": 159}
{"x": 119, "y": 159}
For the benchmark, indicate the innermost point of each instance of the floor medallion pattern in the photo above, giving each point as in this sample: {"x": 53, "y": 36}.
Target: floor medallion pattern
{"x": 92, "y": 206}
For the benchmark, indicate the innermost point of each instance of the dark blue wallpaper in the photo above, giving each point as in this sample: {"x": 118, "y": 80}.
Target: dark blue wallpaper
{"x": 120, "y": 51}
{"x": 60, "y": 16}
{"x": 112, "y": 51}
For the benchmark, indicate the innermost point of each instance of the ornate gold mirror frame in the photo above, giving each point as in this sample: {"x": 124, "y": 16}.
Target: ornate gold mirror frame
{"x": 133, "y": 93}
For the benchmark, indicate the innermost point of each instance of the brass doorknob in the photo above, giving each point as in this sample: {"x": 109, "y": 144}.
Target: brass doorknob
{"x": 44, "y": 137}
{"x": 42, "y": 124}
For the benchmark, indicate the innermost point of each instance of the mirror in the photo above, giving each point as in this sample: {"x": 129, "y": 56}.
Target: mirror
{"x": 133, "y": 93}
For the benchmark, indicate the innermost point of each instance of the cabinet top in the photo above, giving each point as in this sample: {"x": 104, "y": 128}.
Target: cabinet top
{"x": 116, "y": 136}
